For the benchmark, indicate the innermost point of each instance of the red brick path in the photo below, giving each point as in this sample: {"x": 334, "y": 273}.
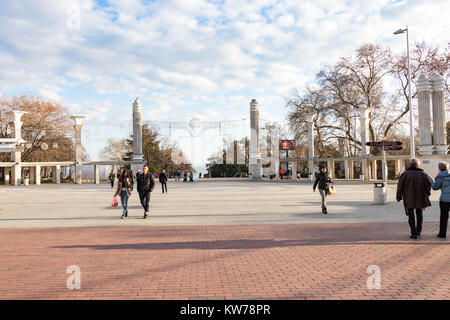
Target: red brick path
{"x": 309, "y": 261}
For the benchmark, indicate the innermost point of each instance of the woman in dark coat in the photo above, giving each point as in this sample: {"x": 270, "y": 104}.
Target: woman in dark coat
{"x": 322, "y": 180}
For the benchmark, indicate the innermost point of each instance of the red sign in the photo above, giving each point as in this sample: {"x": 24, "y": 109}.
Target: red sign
{"x": 287, "y": 144}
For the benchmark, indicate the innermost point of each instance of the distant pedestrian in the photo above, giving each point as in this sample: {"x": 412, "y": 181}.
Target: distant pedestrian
{"x": 185, "y": 176}
{"x": 281, "y": 173}
{"x": 442, "y": 182}
{"x": 191, "y": 177}
{"x": 163, "y": 180}
{"x": 123, "y": 189}
{"x": 178, "y": 175}
{"x": 112, "y": 177}
{"x": 145, "y": 185}
{"x": 323, "y": 181}
{"x": 414, "y": 188}
{"x": 132, "y": 179}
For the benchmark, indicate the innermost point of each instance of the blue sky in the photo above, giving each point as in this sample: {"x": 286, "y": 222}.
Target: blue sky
{"x": 199, "y": 58}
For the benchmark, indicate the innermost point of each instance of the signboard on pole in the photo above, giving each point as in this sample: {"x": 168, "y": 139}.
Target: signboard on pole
{"x": 287, "y": 144}
{"x": 386, "y": 145}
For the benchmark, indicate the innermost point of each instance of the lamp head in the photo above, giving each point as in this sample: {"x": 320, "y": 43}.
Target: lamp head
{"x": 399, "y": 31}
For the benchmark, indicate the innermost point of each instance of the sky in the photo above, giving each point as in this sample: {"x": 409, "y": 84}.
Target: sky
{"x": 196, "y": 58}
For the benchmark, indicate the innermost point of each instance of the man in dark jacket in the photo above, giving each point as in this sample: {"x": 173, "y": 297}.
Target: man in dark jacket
{"x": 322, "y": 180}
{"x": 145, "y": 185}
{"x": 163, "y": 180}
{"x": 414, "y": 188}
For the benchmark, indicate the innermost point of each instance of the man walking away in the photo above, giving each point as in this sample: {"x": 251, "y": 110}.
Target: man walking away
{"x": 414, "y": 188}
{"x": 322, "y": 180}
{"x": 442, "y": 182}
{"x": 112, "y": 177}
{"x": 163, "y": 180}
{"x": 145, "y": 185}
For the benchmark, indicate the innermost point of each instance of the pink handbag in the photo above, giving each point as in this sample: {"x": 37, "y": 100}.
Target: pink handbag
{"x": 114, "y": 202}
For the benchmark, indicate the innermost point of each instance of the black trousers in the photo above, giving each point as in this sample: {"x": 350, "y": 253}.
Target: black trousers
{"x": 164, "y": 185}
{"x": 415, "y": 228}
{"x": 145, "y": 200}
{"x": 112, "y": 183}
{"x": 445, "y": 208}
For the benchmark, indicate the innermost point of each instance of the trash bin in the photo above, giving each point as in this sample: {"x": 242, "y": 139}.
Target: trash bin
{"x": 379, "y": 193}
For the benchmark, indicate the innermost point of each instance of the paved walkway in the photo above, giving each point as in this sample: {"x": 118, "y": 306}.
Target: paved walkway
{"x": 308, "y": 261}
{"x": 208, "y": 202}
{"x": 216, "y": 240}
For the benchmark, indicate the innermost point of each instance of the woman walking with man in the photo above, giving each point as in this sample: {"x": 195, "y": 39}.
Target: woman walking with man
{"x": 124, "y": 190}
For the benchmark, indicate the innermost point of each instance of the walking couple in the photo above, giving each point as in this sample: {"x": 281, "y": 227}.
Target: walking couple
{"x": 145, "y": 185}
{"x": 414, "y": 187}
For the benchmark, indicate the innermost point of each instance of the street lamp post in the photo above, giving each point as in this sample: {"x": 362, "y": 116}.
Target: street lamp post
{"x": 411, "y": 123}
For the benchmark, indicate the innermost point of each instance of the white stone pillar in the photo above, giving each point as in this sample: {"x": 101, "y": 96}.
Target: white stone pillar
{"x": 363, "y": 114}
{"x": 374, "y": 170}
{"x": 254, "y": 167}
{"x": 310, "y": 123}
{"x": 58, "y": 174}
{"x": 7, "y": 176}
{"x": 17, "y": 154}
{"x": 137, "y": 130}
{"x": 97, "y": 174}
{"x": 330, "y": 165}
{"x": 351, "y": 169}
{"x": 346, "y": 169}
{"x": 423, "y": 95}
{"x": 78, "y": 125}
{"x": 38, "y": 175}
{"x": 439, "y": 121}
{"x": 277, "y": 170}
{"x": 32, "y": 175}
{"x": 397, "y": 167}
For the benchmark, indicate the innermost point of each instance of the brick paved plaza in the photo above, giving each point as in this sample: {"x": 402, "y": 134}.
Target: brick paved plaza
{"x": 216, "y": 240}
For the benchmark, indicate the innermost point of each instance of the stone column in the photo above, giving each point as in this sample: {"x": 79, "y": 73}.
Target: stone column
{"x": 423, "y": 95}
{"x": 374, "y": 170}
{"x": 310, "y": 123}
{"x": 277, "y": 170}
{"x": 97, "y": 174}
{"x": 363, "y": 113}
{"x": 351, "y": 169}
{"x": 16, "y": 155}
{"x": 58, "y": 174}
{"x": 294, "y": 170}
{"x": 78, "y": 147}
{"x": 32, "y": 175}
{"x": 138, "y": 154}
{"x": 384, "y": 171}
{"x": 254, "y": 167}
{"x": 401, "y": 165}
{"x": 346, "y": 169}
{"x": 397, "y": 167}
{"x": 38, "y": 175}
{"x": 330, "y": 165}
{"x": 439, "y": 121}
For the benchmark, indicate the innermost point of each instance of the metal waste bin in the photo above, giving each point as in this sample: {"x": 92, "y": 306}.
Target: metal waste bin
{"x": 379, "y": 193}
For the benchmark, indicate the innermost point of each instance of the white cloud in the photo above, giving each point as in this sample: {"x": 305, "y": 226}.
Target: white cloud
{"x": 193, "y": 57}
